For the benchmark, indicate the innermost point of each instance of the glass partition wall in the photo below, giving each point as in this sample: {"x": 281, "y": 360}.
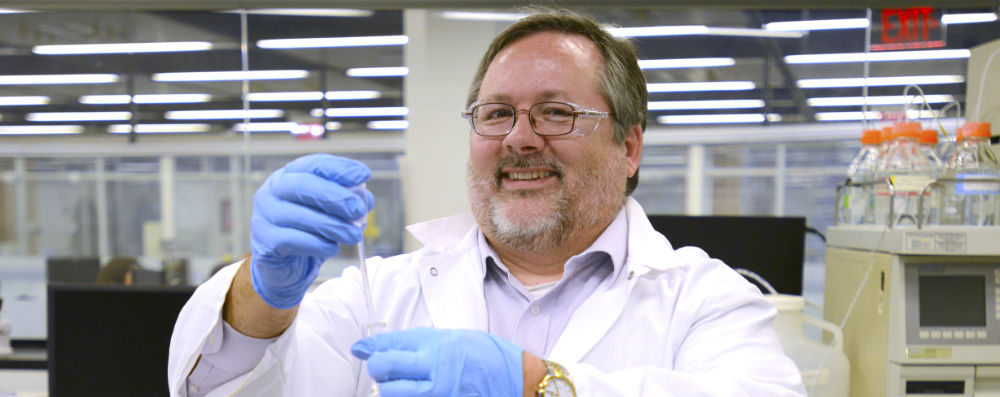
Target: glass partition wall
{"x": 146, "y": 133}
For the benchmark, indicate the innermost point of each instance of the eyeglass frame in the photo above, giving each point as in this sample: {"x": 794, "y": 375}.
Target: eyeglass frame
{"x": 577, "y": 112}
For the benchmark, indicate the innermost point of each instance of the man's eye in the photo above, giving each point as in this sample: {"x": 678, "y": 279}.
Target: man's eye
{"x": 495, "y": 114}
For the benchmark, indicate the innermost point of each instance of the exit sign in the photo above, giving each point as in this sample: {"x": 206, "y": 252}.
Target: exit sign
{"x": 908, "y": 28}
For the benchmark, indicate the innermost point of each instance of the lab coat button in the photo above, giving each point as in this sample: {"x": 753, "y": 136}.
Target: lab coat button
{"x": 434, "y": 271}
{"x": 631, "y": 274}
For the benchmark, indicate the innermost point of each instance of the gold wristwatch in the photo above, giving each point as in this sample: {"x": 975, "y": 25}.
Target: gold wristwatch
{"x": 556, "y": 382}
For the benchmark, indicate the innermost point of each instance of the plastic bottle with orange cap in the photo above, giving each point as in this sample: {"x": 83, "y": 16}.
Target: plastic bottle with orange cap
{"x": 857, "y": 199}
{"x": 904, "y": 165}
{"x": 975, "y": 200}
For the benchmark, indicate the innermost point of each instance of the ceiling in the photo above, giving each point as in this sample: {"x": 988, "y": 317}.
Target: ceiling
{"x": 757, "y": 60}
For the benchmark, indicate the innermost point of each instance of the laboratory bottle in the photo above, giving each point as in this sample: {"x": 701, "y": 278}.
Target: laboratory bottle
{"x": 857, "y": 200}
{"x": 972, "y": 203}
{"x": 929, "y": 148}
{"x": 907, "y": 169}
{"x": 824, "y": 367}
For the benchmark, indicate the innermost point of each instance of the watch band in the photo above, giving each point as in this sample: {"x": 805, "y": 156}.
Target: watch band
{"x": 556, "y": 382}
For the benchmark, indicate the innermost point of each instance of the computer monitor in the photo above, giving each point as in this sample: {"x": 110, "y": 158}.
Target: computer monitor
{"x": 772, "y": 247}
{"x": 147, "y": 277}
{"x": 72, "y": 269}
{"x": 110, "y": 340}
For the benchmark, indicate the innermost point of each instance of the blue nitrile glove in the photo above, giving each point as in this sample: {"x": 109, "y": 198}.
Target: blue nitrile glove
{"x": 442, "y": 362}
{"x": 301, "y": 214}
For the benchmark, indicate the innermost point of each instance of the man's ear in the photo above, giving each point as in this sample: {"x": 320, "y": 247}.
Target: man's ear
{"x": 633, "y": 148}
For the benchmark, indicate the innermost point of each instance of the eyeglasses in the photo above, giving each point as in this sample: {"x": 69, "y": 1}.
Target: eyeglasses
{"x": 546, "y": 118}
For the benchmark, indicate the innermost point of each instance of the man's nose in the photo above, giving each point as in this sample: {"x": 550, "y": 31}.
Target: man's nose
{"x": 522, "y": 137}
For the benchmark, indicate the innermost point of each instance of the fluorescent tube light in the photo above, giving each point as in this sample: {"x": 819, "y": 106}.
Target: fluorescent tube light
{"x": 392, "y": 71}
{"x": 223, "y": 114}
{"x": 701, "y": 86}
{"x": 40, "y": 129}
{"x": 158, "y": 128}
{"x": 952, "y": 19}
{"x": 877, "y": 100}
{"x": 747, "y": 32}
{"x": 820, "y": 24}
{"x": 232, "y": 76}
{"x": 887, "y": 56}
{"x": 482, "y": 16}
{"x": 388, "y": 125}
{"x": 312, "y": 96}
{"x": 144, "y": 99}
{"x": 78, "y": 116}
{"x": 121, "y": 48}
{"x": 707, "y": 104}
{"x": 13, "y": 11}
{"x": 308, "y": 12}
{"x": 646, "y": 31}
{"x": 286, "y": 126}
{"x": 685, "y": 63}
{"x": 23, "y": 100}
{"x": 33, "y": 79}
{"x": 361, "y": 112}
{"x": 327, "y": 42}
{"x": 871, "y": 115}
{"x": 718, "y": 118}
{"x": 879, "y": 81}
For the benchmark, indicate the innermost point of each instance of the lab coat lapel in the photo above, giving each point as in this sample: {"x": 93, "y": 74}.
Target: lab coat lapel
{"x": 595, "y": 317}
{"x": 452, "y": 284}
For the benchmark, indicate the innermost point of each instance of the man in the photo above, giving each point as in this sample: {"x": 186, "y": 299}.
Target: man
{"x": 555, "y": 262}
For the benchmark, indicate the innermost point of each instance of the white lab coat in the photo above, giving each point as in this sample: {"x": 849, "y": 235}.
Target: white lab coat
{"x": 678, "y": 324}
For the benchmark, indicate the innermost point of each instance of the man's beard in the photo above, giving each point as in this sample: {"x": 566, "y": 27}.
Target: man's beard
{"x": 554, "y": 213}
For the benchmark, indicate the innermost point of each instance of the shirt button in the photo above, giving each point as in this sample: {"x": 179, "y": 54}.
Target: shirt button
{"x": 534, "y": 310}
{"x": 193, "y": 388}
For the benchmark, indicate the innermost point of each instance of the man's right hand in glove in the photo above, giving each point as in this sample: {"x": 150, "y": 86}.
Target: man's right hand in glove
{"x": 301, "y": 215}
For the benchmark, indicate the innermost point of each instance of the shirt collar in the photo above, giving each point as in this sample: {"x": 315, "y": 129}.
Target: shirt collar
{"x": 613, "y": 241}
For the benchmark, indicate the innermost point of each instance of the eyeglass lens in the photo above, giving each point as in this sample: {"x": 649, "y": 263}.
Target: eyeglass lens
{"x": 547, "y": 118}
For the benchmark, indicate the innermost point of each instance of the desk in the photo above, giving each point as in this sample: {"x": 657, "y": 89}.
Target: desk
{"x": 25, "y": 372}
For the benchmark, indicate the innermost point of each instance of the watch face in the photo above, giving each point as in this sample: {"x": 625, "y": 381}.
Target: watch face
{"x": 559, "y": 386}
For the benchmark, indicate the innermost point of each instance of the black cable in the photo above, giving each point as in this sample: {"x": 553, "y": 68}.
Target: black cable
{"x": 810, "y": 229}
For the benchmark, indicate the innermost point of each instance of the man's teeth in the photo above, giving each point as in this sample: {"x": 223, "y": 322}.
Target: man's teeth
{"x": 523, "y": 176}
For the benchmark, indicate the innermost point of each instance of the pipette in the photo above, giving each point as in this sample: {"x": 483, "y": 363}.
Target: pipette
{"x": 374, "y": 326}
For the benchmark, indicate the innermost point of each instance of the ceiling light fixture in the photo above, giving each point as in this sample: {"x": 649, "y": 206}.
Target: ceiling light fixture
{"x": 820, "y": 24}
{"x": 877, "y": 100}
{"x": 23, "y": 100}
{"x": 701, "y": 86}
{"x": 223, "y": 114}
{"x": 308, "y": 12}
{"x": 232, "y": 76}
{"x": 328, "y": 42}
{"x": 388, "y": 125}
{"x": 980, "y": 17}
{"x": 40, "y": 129}
{"x": 887, "y": 56}
{"x": 685, "y": 63}
{"x": 159, "y": 128}
{"x": 392, "y": 71}
{"x": 718, "y": 118}
{"x": 687, "y": 30}
{"x": 312, "y": 96}
{"x": 879, "y": 81}
{"x": 706, "y": 104}
{"x": 870, "y": 115}
{"x": 37, "y": 79}
{"x": 78, "y": 116}
{"x": 482, "y": 16}
{"x": 144, "y": 99}
{"x": 121, "y": 48}
{"x": 361, "y": 112}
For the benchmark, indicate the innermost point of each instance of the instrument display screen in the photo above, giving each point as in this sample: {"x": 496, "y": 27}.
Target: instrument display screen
{"x": 952, "y": 300}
